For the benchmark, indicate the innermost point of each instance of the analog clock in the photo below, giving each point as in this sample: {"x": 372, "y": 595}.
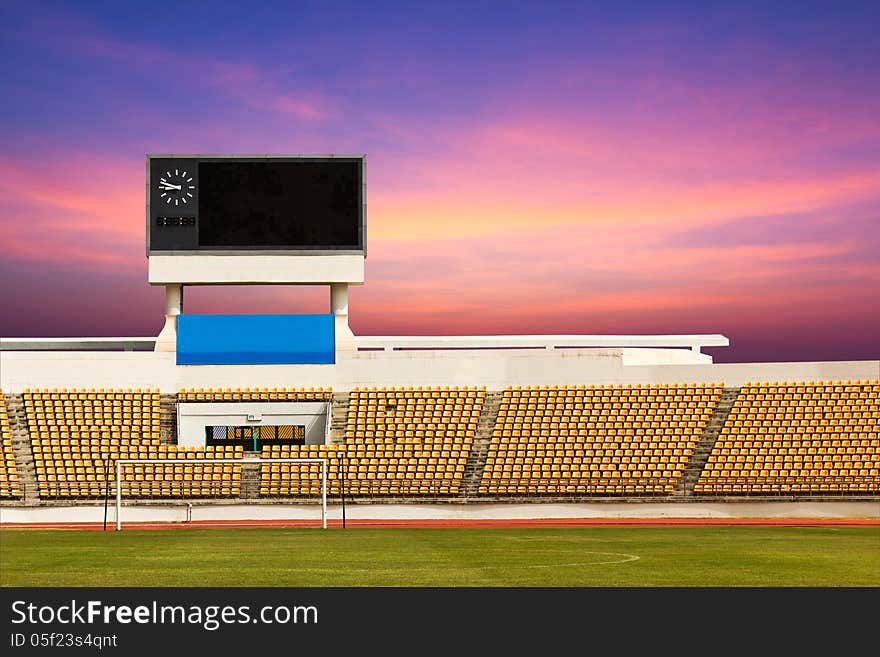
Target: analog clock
{"x": 176, "y": 187}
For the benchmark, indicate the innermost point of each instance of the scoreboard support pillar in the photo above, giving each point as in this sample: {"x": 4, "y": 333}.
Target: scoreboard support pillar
{"x": 339, "y": 308}
{"x": 167, "y": 339}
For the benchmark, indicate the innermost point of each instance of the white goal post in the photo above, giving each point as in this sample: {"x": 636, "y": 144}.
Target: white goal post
{"x": 232, "y": 462}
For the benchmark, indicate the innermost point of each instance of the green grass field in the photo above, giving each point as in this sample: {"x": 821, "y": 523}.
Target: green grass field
{"x": 668, "y": 556}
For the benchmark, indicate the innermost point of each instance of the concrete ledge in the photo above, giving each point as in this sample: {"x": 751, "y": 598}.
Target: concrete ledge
{"x": 141, "y": 512}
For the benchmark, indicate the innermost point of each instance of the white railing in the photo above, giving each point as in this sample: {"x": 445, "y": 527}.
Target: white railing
{"x": 410, "y": 342}
{"x": 446, "y": 342}
{"x": 77, "y": 344}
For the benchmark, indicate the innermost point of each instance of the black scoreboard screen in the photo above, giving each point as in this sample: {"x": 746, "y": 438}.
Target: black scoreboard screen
{"x": 255, "y": 204}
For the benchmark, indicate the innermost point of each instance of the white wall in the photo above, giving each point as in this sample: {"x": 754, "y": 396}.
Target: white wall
{"x": 192, "y": 418}
{"x": 493, "y": 369}
{"x": 258, "y": 269}
{"x": 166, "y": 512}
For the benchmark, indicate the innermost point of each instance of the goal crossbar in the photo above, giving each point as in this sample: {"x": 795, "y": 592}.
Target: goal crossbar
{"x": 232, "y": 462}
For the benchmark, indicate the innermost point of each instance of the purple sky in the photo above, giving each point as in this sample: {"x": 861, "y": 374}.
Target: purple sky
{"x": 574, "y": 168}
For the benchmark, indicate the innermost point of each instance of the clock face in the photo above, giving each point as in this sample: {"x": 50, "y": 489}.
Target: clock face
{"x": 176, "y": 187}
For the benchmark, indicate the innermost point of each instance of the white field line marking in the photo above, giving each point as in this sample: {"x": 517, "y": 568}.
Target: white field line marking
{"x": 626, "y": 558}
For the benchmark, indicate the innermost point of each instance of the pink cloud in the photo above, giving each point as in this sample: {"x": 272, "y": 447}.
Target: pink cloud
{"x": 251, "y": 85}
{"x": 85, "y": 210}
{"x": 299, "y": 107}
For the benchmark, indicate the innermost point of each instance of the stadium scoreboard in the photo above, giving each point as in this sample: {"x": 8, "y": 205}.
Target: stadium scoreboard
{"x": 206, "y": 214}
{"x": 204, "y": 204}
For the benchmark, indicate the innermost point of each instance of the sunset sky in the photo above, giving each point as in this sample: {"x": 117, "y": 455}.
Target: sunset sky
{"x": 589, "y": 168}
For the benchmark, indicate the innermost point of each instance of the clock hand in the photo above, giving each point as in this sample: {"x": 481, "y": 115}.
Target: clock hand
{"x": 170, "y": 186}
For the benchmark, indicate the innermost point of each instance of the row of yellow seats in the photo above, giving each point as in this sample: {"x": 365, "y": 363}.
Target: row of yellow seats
{"x": 788, "y": 441}
{"x": 854, "y": 469}
{"x": 616, "y": 477}
{"x": 817, "y": 426}
{"x": 384, "y": 450}
{"x": 812, "y": 484}
{"x": 84, "y": 425}
{"x": 794, "y": 394}
{"x": 255, "y": 394}
{"x": 584, "y": 412}
{"x": 618, "y": 386}
{"x": 777, "y": 489}
{"x": 121, "y": 437}
{"x": 390, "y": 440}
{"x": 373, "y": 445}
{"x": 358, "y": 488}
{"x": 335, "y": 463}
{"x": 609, "y": 402}
{"x": 822, "y": 382}
{"x": 839, "y": 413}
{"x": 563, "y": 489}
{"x": 806, "y": 435}
{"x": 771, "y": 475}
{"x": 727, "y": 453}
{"x": 620, "y": 475}
{"x": 403, "y": 390}
{"x": 85, "y": 490}
{"x": 807, "y": 401}
{"x": 93, "y": 442}
{"x": 87, "y": 408}
{"x": 790, "y": 429}
{"x": 607, "y": 441}
{"x": 825, "y": 476}
{"x": 809, "y": 419}
{"x": 162, "y": 451}
{"x": 604, "y": 463}
{"x": 451, "y": 421}
{"x": 590, "y": 435}
{"x": 629, "y": 458}
{"x": 668, "y": 432}
{"x": 368, "y": 436}
{"x": 102, "y": 472}
{"x": 366, "y": 474}
{"x": 604, "y": 410}
{"x": 593, "y": 448}
{"x": 76, "y": 418}
{"x": 600, "y": 424}
{"x": 366, "y": 420}
{"x": 585, "y": 453}
{"x": 814, "y": 402}
{"x": 89, "y": 391}
{"x": 414, "y": 400}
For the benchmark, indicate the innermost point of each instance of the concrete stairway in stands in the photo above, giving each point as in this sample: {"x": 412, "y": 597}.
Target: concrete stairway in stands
{"x": 21, "y": 447}
{"x": 168, "y": 419}
{"x": 473, "y": 469}
{"x": 338, "y": 418}
{"x": 250, "y": 477}
{"x": 707, "y": 442}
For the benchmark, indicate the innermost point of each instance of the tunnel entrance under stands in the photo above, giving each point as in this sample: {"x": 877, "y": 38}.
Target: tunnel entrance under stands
{"x": 200, "y": 424}
{"x": 255, "y": 437}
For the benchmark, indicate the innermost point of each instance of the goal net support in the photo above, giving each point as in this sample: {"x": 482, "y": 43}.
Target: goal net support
{"x": 127, "y": 468}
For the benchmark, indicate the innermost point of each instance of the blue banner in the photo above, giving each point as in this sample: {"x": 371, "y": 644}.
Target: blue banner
{"x": 255, "y": 339}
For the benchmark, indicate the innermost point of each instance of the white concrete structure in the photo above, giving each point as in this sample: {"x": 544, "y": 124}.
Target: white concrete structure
{"x": 399, "y": 343}
{"x": 147, "y": 512}
{"x": 495, "y": 368}
{"x": 345, "y": 340}
{"x": 191, "y": 264}
{"x": 192, "y": 418}
{"x": 167, "y": 340}
{"x": 255, "y": 269}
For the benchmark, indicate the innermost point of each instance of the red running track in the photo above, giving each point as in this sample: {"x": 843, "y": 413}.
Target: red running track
{"x": 463, "y": 523}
